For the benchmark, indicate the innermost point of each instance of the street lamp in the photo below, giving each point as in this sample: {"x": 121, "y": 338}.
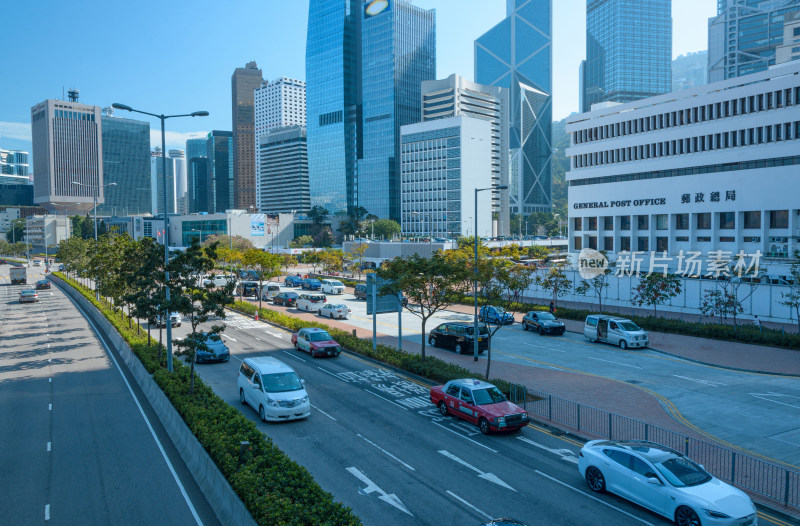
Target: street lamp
{"x": 96, "y": 188}
{"x": 475, "y": 282}
{"x": 372, "y": 221}
{"x": 200, "y": 233}
{"x": 163, "y": 117}
{"x": 430, "y": 224}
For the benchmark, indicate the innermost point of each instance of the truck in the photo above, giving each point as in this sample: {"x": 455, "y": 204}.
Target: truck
{"x": 19, "y": 275}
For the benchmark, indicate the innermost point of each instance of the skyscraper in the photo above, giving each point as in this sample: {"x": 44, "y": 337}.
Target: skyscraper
{"x": 220, "y": 171}
{"x": 197, "y": 187}
{"x": 284, "y": 170}
{"x": 157, "y": 183}
{"x": 517, "y": 54}
{"x": 14, "y": 162}
{"x": 67, "y": 147}
{"x": 243, "y": 82}
{"x": 333, "y": 101}
{"x": 628, "y": 50}
{"x": 196, "y": 148}
{"x": 742, "y": 38}
{"x": 126, "y": 162}
{"x": 398, "y": 43}
{"x": 178, "y": 160}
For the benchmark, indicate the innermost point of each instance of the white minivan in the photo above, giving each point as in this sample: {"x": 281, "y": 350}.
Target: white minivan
{"x": 311, "y": 302}
{"x": 273, "y": 389}
{"x": 332, "y": 286}
{"x": 269, "y": 291}
{"x": 614, "y": 330}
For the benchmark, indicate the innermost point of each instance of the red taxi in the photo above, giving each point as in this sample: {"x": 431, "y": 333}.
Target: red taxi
{"x": 316, "y": 342}
{"x": 478, "y": 402}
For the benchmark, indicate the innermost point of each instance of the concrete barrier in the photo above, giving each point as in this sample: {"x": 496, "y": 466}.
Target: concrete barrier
{"x": 220, "y": 495}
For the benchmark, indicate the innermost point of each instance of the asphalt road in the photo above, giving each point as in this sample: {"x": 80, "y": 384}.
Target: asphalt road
{"x": 80, "y": 445}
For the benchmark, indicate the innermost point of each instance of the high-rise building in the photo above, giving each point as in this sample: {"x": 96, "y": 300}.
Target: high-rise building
{"x": 398, "y": 43}
{"x": 456, "y": 96}
{"x": 279, "y": 103}
{"x": 67, "y": 147}
{"x": 744, "y": 35}
{"x": 333, "y": 101}
{"x": 157, "y": 165}
{"x": 14, "y": 162}
{"x": 284, "y": 170}
{"x": 197, "y": 185}
{"x": 220, "y": 171}
{"x": 243, "y": 83}
{"x": 789, "y": 49}
{"x": 178, "y": 160}
{"x": 628, "y": 50}
{"x": 126, "y": 162}
{"x": 517, "y": 54}
{"x": 196, "y": 148}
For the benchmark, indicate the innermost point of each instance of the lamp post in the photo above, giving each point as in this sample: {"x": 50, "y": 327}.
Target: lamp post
{"x": 475, "y": 282}
{"x": 372, "y": 221}
{"x": 96, "y": 188}
{"x": 163, "y": 117}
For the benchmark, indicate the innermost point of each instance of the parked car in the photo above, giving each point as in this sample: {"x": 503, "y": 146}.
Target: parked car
{"x": 247, "y": 289}
{"x": 37, "y": 262}
{"x": 478, "y": 402}
{"x": 273, "y": 389}
{"x": 614, "y": 330}
{"x": 293, "y": 281}
{"x": 287, "y": 299}
{"x": 217, "y": 350}
{"x": 42, "y": 284}
{"x": 311, "y": 302}
{"x": 458, "y": 336}
{"x": 664, "y": 481}
{"x": 495, "y": 315}
{"x": 28, "y": 296}
{"x": 311, "y": 284}
{"x": 269, "y": 291}
{"x": 332, "y": 286}
{"x": 175, "y": 320}
{"x": 331, "y": 310}
{"x": 360, "y": 292}
{"x": 218, "y": 280}
{"x": 543, "y": 323}
{"x": 316, "y": 342}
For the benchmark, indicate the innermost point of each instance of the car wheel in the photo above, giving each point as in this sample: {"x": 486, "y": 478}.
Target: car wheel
{"x": 459, "y": 350}
{"x": 595, "y": 479}
{"x": 524, "y": 326}
{"x": 541, "y": 331}
{"x": 623, "y": 344}
{"x": 443, "y": 409}
{"x": 483, "y": 425}
{"x": 432, "y": 342}
{"x": 261, "y": 414}
{"x": 685, "y": 516}
{"x": 241, "y": 397}
{"x": 480, "y": 318}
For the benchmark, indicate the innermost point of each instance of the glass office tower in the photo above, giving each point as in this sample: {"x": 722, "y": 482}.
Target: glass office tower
{"x": 220, "y": 171}
{"x": 126, "y": 162}
{"x": 333, "y": 102}
{"x": 628, "y": 50}
{"x": 517, "y": 54}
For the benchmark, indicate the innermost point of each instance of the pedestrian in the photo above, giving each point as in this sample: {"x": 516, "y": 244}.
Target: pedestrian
{"x": 552, "y": 307}
{"x": 757, "y": 323}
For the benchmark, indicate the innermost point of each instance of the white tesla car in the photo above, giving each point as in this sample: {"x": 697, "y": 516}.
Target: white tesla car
{"x": 663, "y": 480}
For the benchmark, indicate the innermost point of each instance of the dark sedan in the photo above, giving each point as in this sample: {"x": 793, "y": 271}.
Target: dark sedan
{"x": 42, "y": 284}
{"x": 217, "y": 350}
{"x": 293, "y": 281}
{"x": 543, "y": 323}
{"x": 458, "y": 336}
{"x": 311, "y": 284}
{"x": 287, "y": 299}
{"x": 360, "y": 292}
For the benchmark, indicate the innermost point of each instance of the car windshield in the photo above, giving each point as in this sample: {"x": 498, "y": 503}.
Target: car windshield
{"x": 629, "y": 326}
{"x": 545, "y": 316}
{"x": 491, "y": 395}
{"x": 500, "y": 310}
{"x": 282, "y": 382}
{"x": 337, "y": 307}
{"x": 314, "y": 281}
{"x": 336, "y": 283}
{"x": 681, "y": 471}
{"x": 482, "y": 330}
{"x": 291, "y": 295}
{"x": 320, "y": 336}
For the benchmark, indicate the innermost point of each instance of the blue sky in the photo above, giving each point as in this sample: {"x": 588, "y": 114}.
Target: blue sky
{"x": 177, "y": 56}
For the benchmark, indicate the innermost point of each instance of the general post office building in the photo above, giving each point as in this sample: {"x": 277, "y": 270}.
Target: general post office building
{"x": 711, "y": 168}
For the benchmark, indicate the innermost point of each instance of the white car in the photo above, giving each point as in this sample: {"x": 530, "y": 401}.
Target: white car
{"x": 219, "y": 280}
{"x": 273, "y": 389}
{"x": 332, "y": 286}
{"x": 663, "y": 480}
{"x": 333, "y": 310}
{"x": 175, "y": 320}
{"x": 311, "y": 302}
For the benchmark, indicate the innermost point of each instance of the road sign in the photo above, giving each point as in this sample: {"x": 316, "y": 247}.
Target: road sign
{"x": 381, "y": 304}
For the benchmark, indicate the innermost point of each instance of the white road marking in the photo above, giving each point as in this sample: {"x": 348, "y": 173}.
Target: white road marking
{"x": 565, "y": 454}
{"x": 48, "y": 446}
{"x": 699, "y": 381}
{"x": 593, "y": 498}
{"x": 617, "y": 363}
{"x": 257, "y": 338}
{"x": 465, "y": 438}
{"x": 376, "y": 446}
{"x": 323, "y": 412}
{"x": 486, "y": 476}
{"x": 372, "y": 487}
{"x": 293, "y": 355}
{"x": 763, "y": 396}
{"x": 49, "y": 407}
{"x": 231, "y": 339}
{"x": 465, "y": 503}
{"x": 50, "y": 380}
{"x": 390, "y": 401}
{"x": 328, "y": 372}
{"x": 47, "y": 512}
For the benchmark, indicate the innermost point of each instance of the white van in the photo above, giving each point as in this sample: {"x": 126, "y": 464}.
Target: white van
{"x": 311, "y": 302}
{"x": 273, "y": 389}
{"x": 615, "y": 330}
{"x": 332, "y": 286}
{"x": 269, "y": 291}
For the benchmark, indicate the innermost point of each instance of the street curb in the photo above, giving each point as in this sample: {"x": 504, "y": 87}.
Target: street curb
{"x": 221, "y": 497}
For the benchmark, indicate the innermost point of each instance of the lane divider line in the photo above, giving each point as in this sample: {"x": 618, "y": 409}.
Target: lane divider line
{"x": 467, "y": 504}
{"x": 323, "y": 412}
{"x": 376, "y": 446}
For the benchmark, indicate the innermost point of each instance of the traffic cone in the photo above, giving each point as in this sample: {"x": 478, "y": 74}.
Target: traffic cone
{"x": 256, "y": 315}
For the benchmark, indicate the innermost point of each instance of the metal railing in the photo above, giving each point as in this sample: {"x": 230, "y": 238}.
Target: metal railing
{"x": 762, "y": 477}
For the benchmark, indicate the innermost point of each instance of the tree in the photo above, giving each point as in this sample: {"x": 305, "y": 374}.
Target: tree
{"x": 357, "y": 255}
{"x": 196, "y": 301}
{"x": 302, "y": 241}
{"x": 323, "y": 237}
{"x": 656, "y": 289}
{"x": 792, "y": 298}
{"x": 386, "y": 228}
{"x": 555, "y": 280}
{"x": 719, "y": 303}
{"x": 223, "y": 240}
{"x": 598, "y": 283}
{"x": 287, "y": 262}
{"x": 264, "y": 264}
{"x": 16, "y": 233}
{"x": 318, "y": 214}
{"x": 538, "y": 252}
{"x": 146, "y": 281}
{"x": 314, "y": 259}
{"x": 332, "y": 261}
{"x": 430, "y": 284}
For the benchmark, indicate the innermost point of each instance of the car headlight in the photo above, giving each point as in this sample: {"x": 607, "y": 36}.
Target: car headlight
{"x": 272, "y": 402}
{"x": 304, "y": 399}
{"x": 716, "y": 514}
{"x": 500, "y": 420}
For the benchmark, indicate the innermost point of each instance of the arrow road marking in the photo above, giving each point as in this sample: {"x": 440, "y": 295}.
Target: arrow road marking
{"x": 699, "y": 381}
{"x": 372, "y": 487}
{"x": 231, "y": 339}
{"x": 486, "y": 476}
{"x": 565, "y": 454}
{"x": 763, "y": 396}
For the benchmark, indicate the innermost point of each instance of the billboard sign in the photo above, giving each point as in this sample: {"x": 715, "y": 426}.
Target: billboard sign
{"x": 257, "y": 224}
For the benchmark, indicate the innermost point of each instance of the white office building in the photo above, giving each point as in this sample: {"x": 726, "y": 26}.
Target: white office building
{"x": 711, "y": 168}
{"x": 178, "y": 159}
{"x": 282, "y": 181}
{"x": 443, "y": 161}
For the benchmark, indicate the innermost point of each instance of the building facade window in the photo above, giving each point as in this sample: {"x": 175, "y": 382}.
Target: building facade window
{"x": 608, "y": 243}
{"x": 608, "y": 223}
{"x": 727, "y": 220}
{"x": 704, "y": 221}
{"x": 682, "y": 222}
{"x": 779, "y": 219}
{"x": 662, "y": 244}
{"x": 578, "y": 224}
{"x": 578, "y": 243}
{"x": 643, "y": 222}
{"x": 592, "y": 223}
{"x": 662, "y": 222}
{"x": 625, "y": 223}
{"x": 625, "y": 244}
{"x": 643, "y": 244}
{"x": 752, "y": 219}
